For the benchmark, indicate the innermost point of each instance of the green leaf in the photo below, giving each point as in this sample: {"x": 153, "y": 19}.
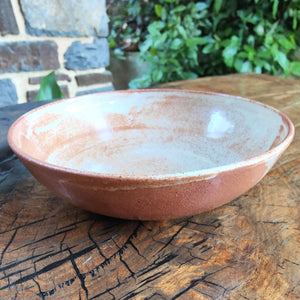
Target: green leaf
{"x": 238, "y": 64}
{"x": 179, "y": 8}
{"x": 189, "y": 75}
{"x": 176, "y": 44}
{"x": 230, "y": 51}
{"x": 164, "y": 14}
{"x": 242, "y": 54}
{"x": 268, "y": 39}
{"x": 246, "y": 67}
{"x": 158, "y": 10}
{"x": 182, "y": 31}
{"x": 204, "y": 40}
{"x": 251, "y": 52}
{"x": 155, "y": 27}
{"x": 49, "y": 89}
{"x": 249, "y": 49}
{"x": 146, "y": 45}
{"x": 218, "y": 5}
{"x": 282, "y": 60}
{"x": 257, "y": 69}
{"x": 259, "y": 29}
{"x": 295, "y": 68}
{"x": 139, "y": 83}
{"x": 275, "y": 8}
{"x": 119, "y": 54}
{"x": 153, "y": 51}
{"x": 295, "y": 19}
{"x": 283, "y": 41}
{"x": 197, "y": 41}
{"x": 208, "y": 49}
{"x": 264, "y": 52}
{"x": 259, "y": 62}
{"x": 157, "y": 75}
{"x": 175, "y": 62}
{"x": 112, "y": 43}
{"x": 160, "y": 40}
{"x": 267, "y": 66}
{"x": 201, "y": 5}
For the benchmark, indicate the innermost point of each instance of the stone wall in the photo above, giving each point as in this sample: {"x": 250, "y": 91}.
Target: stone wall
{"x": 38, "y": 36}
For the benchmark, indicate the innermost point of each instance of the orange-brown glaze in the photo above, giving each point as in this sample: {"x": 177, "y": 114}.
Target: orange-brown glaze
{"x": 151, "y": 154}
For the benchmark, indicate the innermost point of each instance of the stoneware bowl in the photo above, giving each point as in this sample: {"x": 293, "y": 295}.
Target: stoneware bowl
{"x": 151, "y": 154}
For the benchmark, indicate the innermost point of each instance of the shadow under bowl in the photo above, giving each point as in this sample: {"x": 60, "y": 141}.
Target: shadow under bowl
{"x": 151, "y": 154}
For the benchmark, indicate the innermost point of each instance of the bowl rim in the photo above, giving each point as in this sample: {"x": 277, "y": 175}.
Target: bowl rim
{"x": 202, "y": 173}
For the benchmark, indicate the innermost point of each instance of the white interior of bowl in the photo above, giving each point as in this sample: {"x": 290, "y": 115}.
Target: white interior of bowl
{"x": 149, "y": 132}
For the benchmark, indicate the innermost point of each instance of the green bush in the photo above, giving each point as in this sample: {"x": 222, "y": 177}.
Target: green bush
{"x": 190, "y": 39}
{"x": 128, "y": 26}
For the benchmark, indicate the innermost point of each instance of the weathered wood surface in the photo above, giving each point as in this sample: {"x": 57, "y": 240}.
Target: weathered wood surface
{"x": 248, "y": 249}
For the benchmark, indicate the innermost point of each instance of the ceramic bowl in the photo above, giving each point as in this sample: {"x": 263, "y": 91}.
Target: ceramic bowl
{"x": 151, "y": 154}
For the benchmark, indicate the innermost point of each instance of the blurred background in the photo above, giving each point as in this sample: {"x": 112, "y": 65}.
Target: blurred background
{"x": 99, "y": 45}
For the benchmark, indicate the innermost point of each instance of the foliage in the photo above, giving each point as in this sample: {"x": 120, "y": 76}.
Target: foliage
{"x": 128, "y": 28}
{"x": 49, "y": 89}
{"x": 189, "y": 39}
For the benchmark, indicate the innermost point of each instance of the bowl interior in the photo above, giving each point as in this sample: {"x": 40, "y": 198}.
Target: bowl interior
{"x": 148, "y": 132}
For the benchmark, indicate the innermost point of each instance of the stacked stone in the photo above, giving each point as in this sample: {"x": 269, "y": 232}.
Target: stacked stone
{"x": 38, "y": 36}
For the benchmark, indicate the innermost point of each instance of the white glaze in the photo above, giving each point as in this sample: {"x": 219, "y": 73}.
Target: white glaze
{"x": 157, "y": 133}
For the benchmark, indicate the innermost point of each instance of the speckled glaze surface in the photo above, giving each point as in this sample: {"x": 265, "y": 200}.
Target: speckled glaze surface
{"x": 151, "y": 154}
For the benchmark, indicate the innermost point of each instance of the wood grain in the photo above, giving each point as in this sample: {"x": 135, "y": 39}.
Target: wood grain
{"x": 248, "y": 249}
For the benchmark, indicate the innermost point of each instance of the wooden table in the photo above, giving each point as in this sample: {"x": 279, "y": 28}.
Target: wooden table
{"x": 248, "y": 249}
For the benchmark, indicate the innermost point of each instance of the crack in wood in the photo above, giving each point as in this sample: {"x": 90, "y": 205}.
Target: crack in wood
{"x": 291, "y": 290}
{"x": 12, "y": 265}
{"x": 157, "y": 263}
{"x": 200, "y": 242}
{"x": 108, "y": 290}
{"x": 73, "y": 256}
{"x": 155, "y": 295}
{"x": 94, "y": 242}
{"x": 153, "y": 277}
{"x": 40, "y": 294}
{"x": 36, "y": 241}
{"x": 62, "y": 242}
{"x": 80, "y": 276}
{"x": 126, "y": 265}
{"x": 45, "y": 257}
{"x": 7, "y": 245}
{"x": 244, "y": 297}
{"x": 7, "y": 275}
{"x": 207, "y": 224}
{"x": 20, "y": 210}
{"x": 28, "y": 224}
{"x": 75, "y": 224}
{"x": 131, "y": 295}
{"x": 192, "y": 284}
{"x": 113, "y": 296}
{"x": 137, "y": 250}
{"x": 173, "y": 236}
{"x": 202, "y": 279}
{"x": 291, "y": 262}
{"x": 49, "y": 267}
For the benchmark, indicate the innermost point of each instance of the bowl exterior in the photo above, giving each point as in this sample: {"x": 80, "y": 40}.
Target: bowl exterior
{"x": 151, "y": 199}
{"x": 146, "y": 197}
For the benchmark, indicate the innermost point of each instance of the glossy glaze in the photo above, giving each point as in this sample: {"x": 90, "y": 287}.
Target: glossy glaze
{"x": 151, "y": 154}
